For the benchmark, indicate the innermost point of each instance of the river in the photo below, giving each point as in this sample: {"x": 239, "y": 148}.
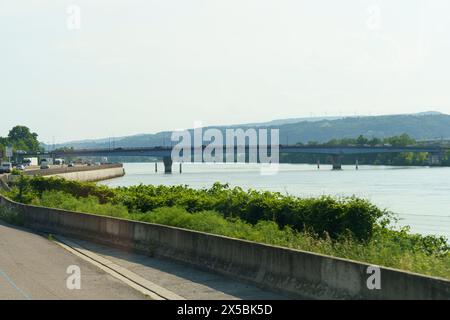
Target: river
{"x": 419, "y": 195}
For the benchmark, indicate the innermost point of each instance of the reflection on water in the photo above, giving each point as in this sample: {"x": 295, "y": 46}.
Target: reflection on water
{"x": 419, "y": 195}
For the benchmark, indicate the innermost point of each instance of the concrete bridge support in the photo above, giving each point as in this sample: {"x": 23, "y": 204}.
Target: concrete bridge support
{"x": 336, "y": 161}
{"x": 167, "y": 165}
{"x": 435, "y": 159}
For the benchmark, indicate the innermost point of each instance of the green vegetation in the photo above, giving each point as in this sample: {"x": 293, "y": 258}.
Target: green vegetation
{"x": 21, "y": 139}
{"x": 402, "y": 140}
{"x": 348, "y": 228}
{"x": 318, "y": 215}
{"x": 8, "y": 215}
{"x": 401, "y": 159}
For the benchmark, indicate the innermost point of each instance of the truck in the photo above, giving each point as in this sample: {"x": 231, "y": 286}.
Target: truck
{"x": 59, "y": 162}
{"x": 44, "y": 164}
{"x": 30, "y": 161}
{"x": 49, "y": 161}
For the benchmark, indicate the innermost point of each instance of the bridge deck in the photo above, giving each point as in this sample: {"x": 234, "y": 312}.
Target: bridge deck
{"x": 167, "y": 151}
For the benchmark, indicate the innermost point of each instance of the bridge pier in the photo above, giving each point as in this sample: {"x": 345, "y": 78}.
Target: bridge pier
{"x": 336, "y": 161}
{"x": 435, "y": 159}
{"x": 167, "y": 165}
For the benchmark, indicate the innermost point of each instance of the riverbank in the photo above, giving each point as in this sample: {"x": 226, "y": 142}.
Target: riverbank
{"x": 352, "y": 229}
{"x": 418, "y": 196}
{"x": 297, "y": 273}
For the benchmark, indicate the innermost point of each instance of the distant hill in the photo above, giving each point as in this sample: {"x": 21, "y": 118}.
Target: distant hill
{"x": 418, "y": 126}
{"x": 280, "y": 122}
{"x": 421, "y": 126}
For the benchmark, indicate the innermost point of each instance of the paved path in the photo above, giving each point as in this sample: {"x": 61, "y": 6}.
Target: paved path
{"x": 33, "y": 267}
{"x": 181, "y": 279}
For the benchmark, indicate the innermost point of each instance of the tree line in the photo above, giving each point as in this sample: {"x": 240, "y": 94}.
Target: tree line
{"x": 402, "y": 140}
{"x": 402, "y": 159}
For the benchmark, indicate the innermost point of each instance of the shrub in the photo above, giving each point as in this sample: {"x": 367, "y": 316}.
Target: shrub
{"x": 391, "y": 248}
{"x": 62, "y": 200}
{"x": 325, "y": 216}
{"x": 318, "y": 215}
{"x": 8, "y": 214}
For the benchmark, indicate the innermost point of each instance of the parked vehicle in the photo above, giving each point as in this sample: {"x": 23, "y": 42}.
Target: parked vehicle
{"x": 71, "y": 164}
{"x": 20, "y": 167}
{"x": 6, "y": 167}
{"x": 44, "y": 165}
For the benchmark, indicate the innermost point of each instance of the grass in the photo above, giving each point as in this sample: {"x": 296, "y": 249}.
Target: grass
{"x": 391, "y": 248}
{"x": 10, "y": 216}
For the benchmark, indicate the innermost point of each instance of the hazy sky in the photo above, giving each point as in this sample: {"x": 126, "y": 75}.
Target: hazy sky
{"x": 145, "y": 66}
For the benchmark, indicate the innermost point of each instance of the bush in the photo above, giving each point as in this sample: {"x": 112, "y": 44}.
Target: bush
{"x": 318, "y": 215}
{"x": 7, "y": 214}
{"x": 391, "y": 248}
{"x": 90, "y": 204}
{"x": 40, "y": 184}
{"x": 324, "y": 216}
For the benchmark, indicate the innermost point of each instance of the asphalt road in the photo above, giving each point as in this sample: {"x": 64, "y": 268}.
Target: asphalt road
{"x": 34, "y": 267}
{"x": 183, "y": 280}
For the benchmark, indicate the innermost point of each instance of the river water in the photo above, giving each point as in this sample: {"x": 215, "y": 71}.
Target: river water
{"x": 419, "y": 195}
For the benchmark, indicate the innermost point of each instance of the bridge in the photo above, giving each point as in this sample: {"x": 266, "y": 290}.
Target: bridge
{"x": 336, "y": 152}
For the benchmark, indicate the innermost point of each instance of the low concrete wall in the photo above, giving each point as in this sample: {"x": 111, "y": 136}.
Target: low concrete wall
{"x": 84, "y": 173}
{"x": 4, "y": 182}
{"x": 91, "y": 176}
{"x": 298, "y": 273}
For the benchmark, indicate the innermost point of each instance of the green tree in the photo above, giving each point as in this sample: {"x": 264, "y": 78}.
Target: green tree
{"x": 374, "y": 142}
{"x": 21, "y": 138}
{"x": 361, "y": 140}
{"x": 313, "y": 143}
{"x": 402, "y": 140}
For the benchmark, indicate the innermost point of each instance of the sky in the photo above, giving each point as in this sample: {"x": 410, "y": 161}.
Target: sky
{"x": 80, "y": 69}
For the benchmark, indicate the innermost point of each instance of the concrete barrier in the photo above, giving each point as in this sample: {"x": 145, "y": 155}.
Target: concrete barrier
{"x": 83, "y": 173}
{"x": 4, "y": 182}
{"x": 297, "y": 273}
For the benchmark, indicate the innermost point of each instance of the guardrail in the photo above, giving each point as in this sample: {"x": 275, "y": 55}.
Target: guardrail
{"x": 297, "y": 273}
